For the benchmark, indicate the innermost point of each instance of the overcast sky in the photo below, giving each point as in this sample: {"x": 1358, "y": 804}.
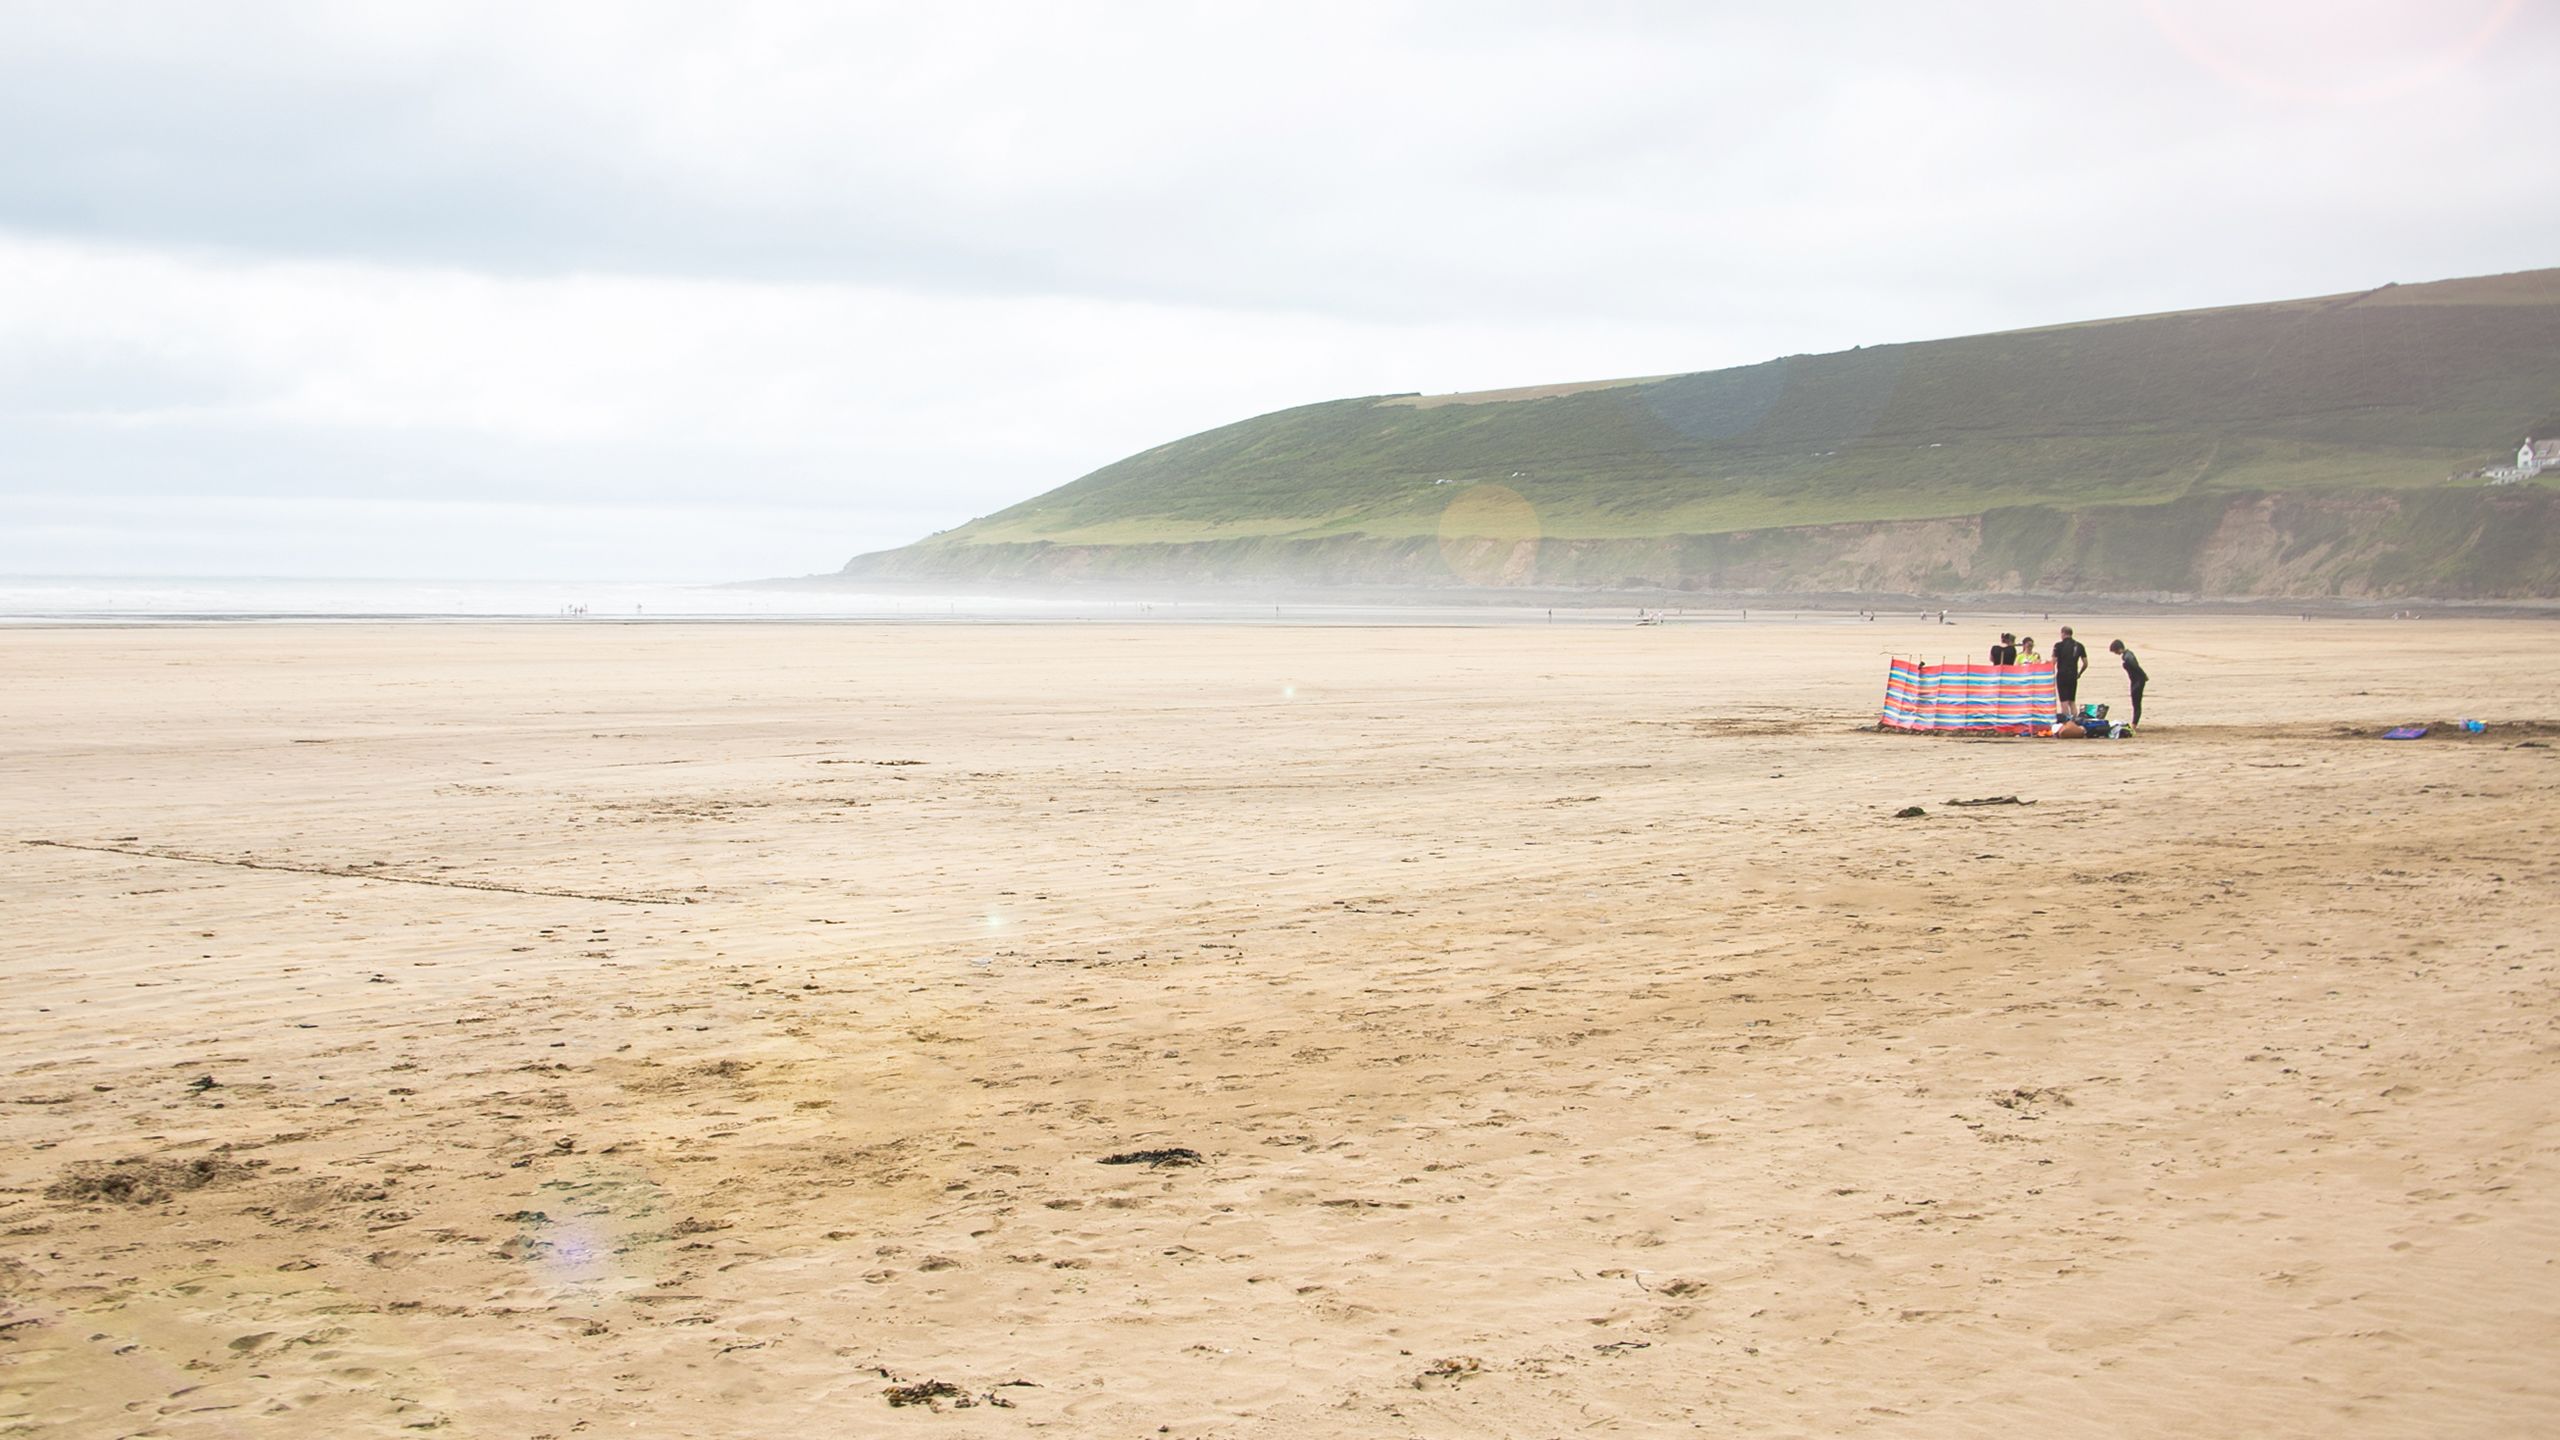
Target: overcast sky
{"x": 693, "y": 291}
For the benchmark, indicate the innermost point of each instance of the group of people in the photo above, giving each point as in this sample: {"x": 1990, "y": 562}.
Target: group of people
{"x": 2070, "y": 662}
{"x": 2010, "y": 650}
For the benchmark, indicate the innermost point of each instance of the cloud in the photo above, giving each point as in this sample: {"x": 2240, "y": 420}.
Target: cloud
{"x": 1388, "y": 161}
{"x": 922, "y": 261}
{"x": 873, "y": 415}
{"x": 204, "y": 535}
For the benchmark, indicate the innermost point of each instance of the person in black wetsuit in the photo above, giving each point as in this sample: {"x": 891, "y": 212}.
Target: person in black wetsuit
{"x": 2004, "y": 651}
{"x": 2133, "y": 672}
{"x": 2070, "y": 662}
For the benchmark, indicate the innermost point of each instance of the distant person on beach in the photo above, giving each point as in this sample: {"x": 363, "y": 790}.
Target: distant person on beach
{"x": 2070, "y": 662}
{"x": 2134, "y": 674}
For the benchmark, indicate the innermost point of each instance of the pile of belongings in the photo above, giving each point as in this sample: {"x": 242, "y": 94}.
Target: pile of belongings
{"x": 2090, "y": 724}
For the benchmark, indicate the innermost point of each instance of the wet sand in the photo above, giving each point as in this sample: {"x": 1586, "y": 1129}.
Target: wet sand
{"x": 546, "y": 1030}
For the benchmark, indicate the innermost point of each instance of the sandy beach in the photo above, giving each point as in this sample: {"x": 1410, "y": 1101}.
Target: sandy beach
{"x": 543, "y": 1030}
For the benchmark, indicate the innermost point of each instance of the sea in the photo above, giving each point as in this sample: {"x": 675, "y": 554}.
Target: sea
{"x": 129, "y": 599}
{"x": 156, "y": 599}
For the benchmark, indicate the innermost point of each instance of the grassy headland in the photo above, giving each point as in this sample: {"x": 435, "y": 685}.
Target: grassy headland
{"x": 2305, "y": 447}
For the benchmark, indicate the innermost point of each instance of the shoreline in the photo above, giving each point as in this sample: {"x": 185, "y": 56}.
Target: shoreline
{"x": 1883, "y": 603}
{"x": 107, "y": 600}
{"x": 1419, "y": 613}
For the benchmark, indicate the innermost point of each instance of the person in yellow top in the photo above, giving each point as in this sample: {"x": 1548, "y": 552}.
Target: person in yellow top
{"x": 2027, "y": 652}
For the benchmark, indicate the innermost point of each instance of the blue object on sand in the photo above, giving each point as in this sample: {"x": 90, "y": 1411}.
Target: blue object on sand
{"x": 2406, "y": 732}
{"x": 2474, "y": 726}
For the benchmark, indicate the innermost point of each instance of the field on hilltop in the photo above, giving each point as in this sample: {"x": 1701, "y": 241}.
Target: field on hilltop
{"x": 2345, "y": 427}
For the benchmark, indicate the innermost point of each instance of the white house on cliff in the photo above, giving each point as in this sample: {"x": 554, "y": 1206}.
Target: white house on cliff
{"x": 2532, "y": 458}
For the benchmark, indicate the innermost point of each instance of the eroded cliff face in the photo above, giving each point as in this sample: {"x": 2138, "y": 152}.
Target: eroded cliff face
{"x": 2470, "y": 544}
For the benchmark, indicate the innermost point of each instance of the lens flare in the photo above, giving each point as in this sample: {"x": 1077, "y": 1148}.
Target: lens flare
{"x": 597, "y": 1233}
{"x": 1489, "y": 536}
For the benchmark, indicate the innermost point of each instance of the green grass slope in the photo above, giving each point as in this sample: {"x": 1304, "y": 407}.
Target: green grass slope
{"x": 2300, "y": 447}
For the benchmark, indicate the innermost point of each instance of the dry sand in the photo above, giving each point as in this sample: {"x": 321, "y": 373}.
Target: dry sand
{"x": 543, "y": 1030}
